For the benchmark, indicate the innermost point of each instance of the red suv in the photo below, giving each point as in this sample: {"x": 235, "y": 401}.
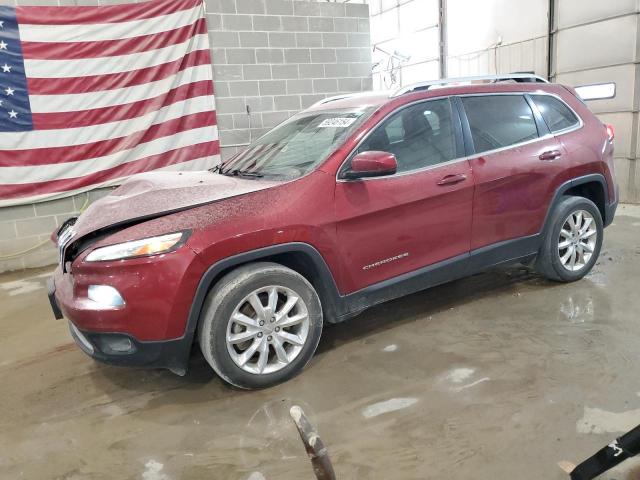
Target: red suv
{"x": 355, "y": 201}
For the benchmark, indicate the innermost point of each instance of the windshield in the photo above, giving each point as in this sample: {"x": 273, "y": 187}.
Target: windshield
{"x": 298, "y": 145}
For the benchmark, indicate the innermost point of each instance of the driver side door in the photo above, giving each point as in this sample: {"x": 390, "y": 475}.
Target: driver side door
{"x": 391, "y": 225}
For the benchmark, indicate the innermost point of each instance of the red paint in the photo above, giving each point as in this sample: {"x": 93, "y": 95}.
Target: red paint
{"x": 374, "y": 163}
{"x": 366, "y": 230}
{"x": 385, "y": 217}
{"x": 513, "y": 191}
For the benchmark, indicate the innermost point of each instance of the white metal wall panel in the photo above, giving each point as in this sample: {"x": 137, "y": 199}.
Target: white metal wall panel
{"x": 609, "y": 42}
{"x": 623, "y": 170}
{"x": 475, "y": 63}
{"x": 637, "y": 135}
{"x": 524, "y": 57}
{"x": 420, "y": 72}
{"x": 476, "y": 25}
{"x": 410, "y": 28}
{"x": 623, "y": 125}
{"x": 624, "y": 77}
{"x": 527, "y": 56}
{"x": 419, "y": 14}
{"x": 576, "y": 12}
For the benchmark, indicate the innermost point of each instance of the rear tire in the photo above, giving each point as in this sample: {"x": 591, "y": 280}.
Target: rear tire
{"x": 260, "y": 325}
{"x": 572, "y": 242}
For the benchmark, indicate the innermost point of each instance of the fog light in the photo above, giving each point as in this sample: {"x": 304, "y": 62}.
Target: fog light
{"x": 105, "y": 295}
{"x": 119, "y": 345}
{"x": 115, "y": 344}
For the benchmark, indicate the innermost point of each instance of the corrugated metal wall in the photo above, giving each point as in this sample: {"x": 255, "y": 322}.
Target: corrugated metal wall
{"x": 592, "y": 42}
{"x": 410, "y": 28}
{"x": 496, "y": 36}
{"x": 597, "y": 42}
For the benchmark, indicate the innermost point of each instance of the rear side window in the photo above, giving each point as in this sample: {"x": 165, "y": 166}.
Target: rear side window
{"x": 498, "y": 121}
{"x": 555, "y": 113}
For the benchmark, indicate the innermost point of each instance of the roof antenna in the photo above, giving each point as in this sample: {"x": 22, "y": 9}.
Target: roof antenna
{"x": 249, "y": 116}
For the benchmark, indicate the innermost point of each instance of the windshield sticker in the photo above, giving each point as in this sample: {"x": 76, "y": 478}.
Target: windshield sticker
{"x": 340, "y": 122}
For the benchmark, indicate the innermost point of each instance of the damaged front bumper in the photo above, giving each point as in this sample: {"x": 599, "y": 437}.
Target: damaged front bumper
{"x": 123, "y": 349}
{"x": 145, "y": 330}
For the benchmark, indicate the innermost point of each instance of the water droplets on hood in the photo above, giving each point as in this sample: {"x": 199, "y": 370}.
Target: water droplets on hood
{"x": 155, "y": 193}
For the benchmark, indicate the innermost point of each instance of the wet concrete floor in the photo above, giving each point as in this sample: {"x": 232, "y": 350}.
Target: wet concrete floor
{"x": 498, "y": 376}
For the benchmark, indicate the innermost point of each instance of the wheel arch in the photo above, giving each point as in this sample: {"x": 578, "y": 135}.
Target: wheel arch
{"x": 300, "y": 257}
{"x": 592, "y": 186}
{"x": 594, "y": 190}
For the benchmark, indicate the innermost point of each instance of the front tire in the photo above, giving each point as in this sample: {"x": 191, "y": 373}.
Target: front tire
{"x": 572, "y": 242}
{"x": 260, "y": 325}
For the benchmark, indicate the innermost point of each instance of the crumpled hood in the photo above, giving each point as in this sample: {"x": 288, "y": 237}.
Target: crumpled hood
{"x": 153, "y": 194}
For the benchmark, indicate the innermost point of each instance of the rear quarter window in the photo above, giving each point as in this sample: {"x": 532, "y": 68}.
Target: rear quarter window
{"x": 499, "y": 121}
{"x": 556, "y": 114}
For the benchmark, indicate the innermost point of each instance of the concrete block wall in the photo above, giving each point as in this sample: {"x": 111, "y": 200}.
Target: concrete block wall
{"x": 276, "y": 57}
{"x": 27, "y": 228}
{"x": 273, "y": 56}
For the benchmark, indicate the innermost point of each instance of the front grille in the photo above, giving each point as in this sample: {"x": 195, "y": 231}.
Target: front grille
{"x": 64, "y": 235}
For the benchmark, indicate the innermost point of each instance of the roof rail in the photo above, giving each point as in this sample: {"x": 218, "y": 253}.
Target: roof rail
{"x": 516, "y": 77}
{"x": 333, "y": 99}
{"x": 342, "y": 96}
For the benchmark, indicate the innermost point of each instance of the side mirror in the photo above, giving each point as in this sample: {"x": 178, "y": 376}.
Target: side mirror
{"x": 372, "y": 164}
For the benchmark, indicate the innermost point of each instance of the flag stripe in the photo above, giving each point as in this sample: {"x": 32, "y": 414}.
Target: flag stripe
{"x": 78, "y": 136}
{"x": 50, "y": 121}
{"x": 116, "y": 64}
{"x": 80, "y": 101}
{"x": 199, "y": 164}
{"x": 95, "y": 83}
{"x": 108, "y": 13}
{"x": 31, "y": 31}
{"x": 81, "y": 168}
{"x": 95, "y": 150}
{"x": 206, "y": 149}
{"x": 103, "y": 93}
{"x": 105, "y": 48}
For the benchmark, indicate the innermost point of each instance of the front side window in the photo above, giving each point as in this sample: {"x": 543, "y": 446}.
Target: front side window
{"x": 298, "y": 145}
{"x": 498, "y": 121}
{"x": 419, "y": 136}
{"x": 556, "y": 114}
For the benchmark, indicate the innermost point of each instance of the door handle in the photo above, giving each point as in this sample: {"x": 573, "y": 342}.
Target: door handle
{"x": 451, "y": 179}
{"x": 550, "y": 155}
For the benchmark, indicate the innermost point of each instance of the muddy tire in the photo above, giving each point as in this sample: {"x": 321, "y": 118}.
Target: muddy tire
{"x": 572, "y": 242}
{"x": 260, "y": 325}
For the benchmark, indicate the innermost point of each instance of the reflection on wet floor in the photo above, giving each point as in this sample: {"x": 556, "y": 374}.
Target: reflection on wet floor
{"x": 501, "y": 375}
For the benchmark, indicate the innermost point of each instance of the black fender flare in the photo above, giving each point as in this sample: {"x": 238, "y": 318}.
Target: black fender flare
{"x": 324, "y": 282}
{"x": 563, "y": 188}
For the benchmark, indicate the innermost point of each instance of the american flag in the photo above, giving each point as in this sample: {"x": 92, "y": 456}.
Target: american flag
{"x": 92, "y": 95}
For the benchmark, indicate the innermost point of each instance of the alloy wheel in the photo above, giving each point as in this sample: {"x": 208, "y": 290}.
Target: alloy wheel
{"x": 577, "y": 240}
{"x": 267, "y": 329}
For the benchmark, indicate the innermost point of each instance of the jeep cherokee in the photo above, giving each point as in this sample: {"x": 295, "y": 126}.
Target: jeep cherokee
{"x": 357, "y": 200}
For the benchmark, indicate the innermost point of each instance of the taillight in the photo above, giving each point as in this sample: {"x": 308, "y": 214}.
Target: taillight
{"x": 610, "y": 133}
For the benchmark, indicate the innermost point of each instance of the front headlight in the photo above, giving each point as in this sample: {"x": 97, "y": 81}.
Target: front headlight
{"x": 139, "y": 248}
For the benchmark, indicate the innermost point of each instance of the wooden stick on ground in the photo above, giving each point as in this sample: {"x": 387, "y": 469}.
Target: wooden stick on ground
{"x": 313, "y": 445}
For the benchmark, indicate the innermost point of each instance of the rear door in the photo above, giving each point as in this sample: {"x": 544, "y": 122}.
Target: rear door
{"x": 515, "y": 164}
{"x": 391, "y": 225}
